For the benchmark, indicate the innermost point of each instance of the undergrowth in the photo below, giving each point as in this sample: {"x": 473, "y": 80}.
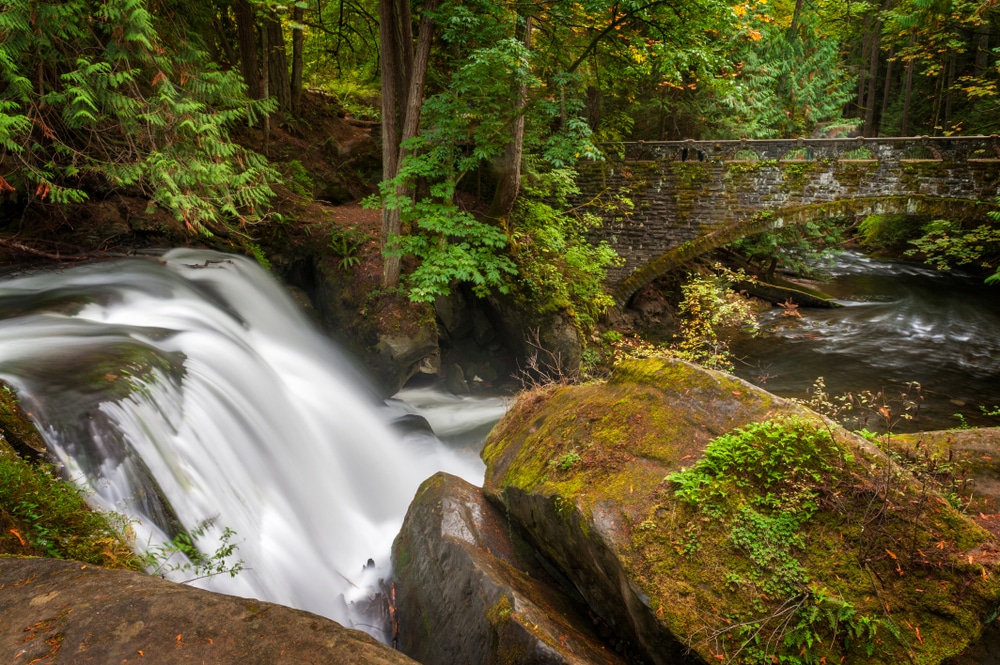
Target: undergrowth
{"x": 42, "y": 515}
{"x": 761, "y": 485}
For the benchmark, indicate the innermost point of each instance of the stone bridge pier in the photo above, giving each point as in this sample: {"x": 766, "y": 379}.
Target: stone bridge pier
{"x": 692, "y": 196}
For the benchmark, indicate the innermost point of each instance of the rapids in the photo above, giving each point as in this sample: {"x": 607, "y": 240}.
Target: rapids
{"x": 188, "y": 392}
{"x": 900, "y": 322}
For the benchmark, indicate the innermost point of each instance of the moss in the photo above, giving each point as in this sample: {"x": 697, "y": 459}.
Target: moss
{"x": 500, "y": 612}
{"x": 871, "y": 548}
{"x": 16, "y": 427}
{"x": 852, "y": 174}
{"x": 797, "y": 174}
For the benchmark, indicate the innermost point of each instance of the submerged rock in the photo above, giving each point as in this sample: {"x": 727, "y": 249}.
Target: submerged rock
{"x": 67, "y": 612}
{"x": 789, "y": 539}
{"x": 469, "y": 589}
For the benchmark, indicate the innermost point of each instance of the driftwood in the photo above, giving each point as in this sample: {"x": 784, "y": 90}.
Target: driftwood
{"x": 88, "y": 256}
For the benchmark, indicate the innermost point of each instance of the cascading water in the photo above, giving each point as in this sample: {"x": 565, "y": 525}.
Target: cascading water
{"x": 189, "y": 392}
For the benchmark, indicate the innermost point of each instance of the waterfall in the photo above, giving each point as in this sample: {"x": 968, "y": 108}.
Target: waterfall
{"x": 188, "y": 392}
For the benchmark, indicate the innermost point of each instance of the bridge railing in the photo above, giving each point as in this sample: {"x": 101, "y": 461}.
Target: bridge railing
{"x": 891, "y": 149}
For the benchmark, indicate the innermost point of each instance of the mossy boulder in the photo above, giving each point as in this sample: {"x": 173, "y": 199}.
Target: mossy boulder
{"x": 470, "y": 590}
{"x": 964, "y": 463}
{"x": 706, "y": 519}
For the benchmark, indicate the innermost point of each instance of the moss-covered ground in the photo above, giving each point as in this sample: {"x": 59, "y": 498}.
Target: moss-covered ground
{"x": 808, "y": 546}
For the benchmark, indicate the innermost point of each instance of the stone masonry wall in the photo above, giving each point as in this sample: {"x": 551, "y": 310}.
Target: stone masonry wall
{"x": 684, "y": 190}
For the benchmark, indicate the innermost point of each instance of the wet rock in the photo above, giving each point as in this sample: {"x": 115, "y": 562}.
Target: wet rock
{"x": 412, "y": 423}
{"x": 588, "y": 472}
{"x": 470, "y": 590}
{"x": 400, "y": 356}
{"x": 454, "y": 313}
{"x": 454, "y": 380}
{"x": 67, "y": 612}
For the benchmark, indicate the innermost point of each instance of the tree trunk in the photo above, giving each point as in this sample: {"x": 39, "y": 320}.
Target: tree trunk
{"x": 298, "y": 42}
{"x": 247, "y": 31}
{"x": 277, "y": 64}
{"x": 265, "y": 83}
{"x": 224, "y": 39}
{"x": 793, "y": 29}
{"x": 982, "y": 54}
{"x": 509, "y": 171}
{"x": 413, "y": 66}
{"x": 888, "y": 88}
{"x": 593, "y": 106}
{"x": 907, "y": 90}
{"x": 950, "y": 92}
{"x": 869, "y": 129}
{"x": 390, "y": 66}
{"x": 866, "y": 40}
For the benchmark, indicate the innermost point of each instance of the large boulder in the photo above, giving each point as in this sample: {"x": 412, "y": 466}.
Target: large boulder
{"x": 966, "y": 461}
{"x": 470, "y": 590}
{"x": 787, "y": 540}
{"x": 56, "y": 611}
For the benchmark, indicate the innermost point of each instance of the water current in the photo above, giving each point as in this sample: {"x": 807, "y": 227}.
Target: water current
{"x": 188, "y": 392}
{"x": 900, "y": 323}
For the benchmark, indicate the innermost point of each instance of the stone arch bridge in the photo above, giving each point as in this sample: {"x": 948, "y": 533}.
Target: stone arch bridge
{"x": 693, "y": 196}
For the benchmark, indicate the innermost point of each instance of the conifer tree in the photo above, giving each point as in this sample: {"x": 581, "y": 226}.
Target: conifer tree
{"x": 104, "y": 96}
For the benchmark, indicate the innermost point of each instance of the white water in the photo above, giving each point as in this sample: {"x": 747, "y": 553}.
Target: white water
{"x": 251, "y": 420}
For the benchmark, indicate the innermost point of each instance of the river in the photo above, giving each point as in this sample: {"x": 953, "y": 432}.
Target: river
{"x": 188, "y": 392}
{"x": 900, "y": 323}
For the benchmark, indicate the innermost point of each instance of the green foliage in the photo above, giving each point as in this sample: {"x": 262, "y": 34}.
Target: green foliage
{"x": 298, "y": 179}
{"x": 345, "y": 243}
{"x": 708, "y": 306}
{"x": 359, "y": 98}
{"x": 761, "y": 482}
{"x": 784, "y": 84}
{"x": 776, "y": 458}
{"x": 181, "y": 554}
{"x": 566, "y": 462}
{"x": 945, "y": 244}
{"x": 99, "y": 96}
{"x": 885, "y": 231}
{"x": 465, "y": 128}
{"x": 557, "y": 268}
{"x": 449, "y": 243}
{"x": 259, "y": 255}
{"x": 51, "y": 516}
{"x": 797, "y": 247}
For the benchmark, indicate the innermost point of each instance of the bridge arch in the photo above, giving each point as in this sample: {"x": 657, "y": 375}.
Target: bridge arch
{"x": 691, "y": 196}
{"x": 766, "y": 220}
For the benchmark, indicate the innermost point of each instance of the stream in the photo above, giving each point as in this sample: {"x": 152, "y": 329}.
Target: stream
{"x": 189, "y": 392}
{"x": 900, "y": 323}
